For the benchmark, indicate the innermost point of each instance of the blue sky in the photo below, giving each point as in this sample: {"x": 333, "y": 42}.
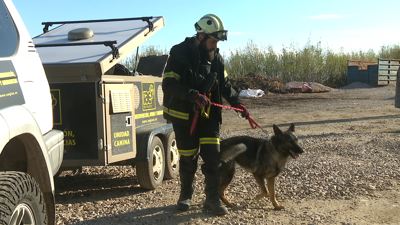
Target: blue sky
{"x": 348, "y": 24}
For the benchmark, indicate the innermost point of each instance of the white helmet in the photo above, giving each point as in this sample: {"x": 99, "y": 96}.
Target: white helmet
{"x": 212, "y": 25}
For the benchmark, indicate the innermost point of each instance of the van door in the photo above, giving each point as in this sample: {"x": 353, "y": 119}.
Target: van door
{"x": 119, "y": 122}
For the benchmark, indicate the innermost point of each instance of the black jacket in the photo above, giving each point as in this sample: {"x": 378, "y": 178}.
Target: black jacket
{"x": 182, "y": 81}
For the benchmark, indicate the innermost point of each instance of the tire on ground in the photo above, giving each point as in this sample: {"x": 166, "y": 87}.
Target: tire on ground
{"x": 151, "y": 174}
{"x": 171, "y": 157}
{"x": 21, "y": 201}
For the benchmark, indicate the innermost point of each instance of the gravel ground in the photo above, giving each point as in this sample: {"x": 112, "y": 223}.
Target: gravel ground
{"x": 349, "y": 173}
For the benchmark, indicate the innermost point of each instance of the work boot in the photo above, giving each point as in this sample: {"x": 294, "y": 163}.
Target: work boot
{"x": 212, "y": 203}
{"x": 185, "y": 197}
{"x": 214, "y": 207}
{"x": 186, "y": 178}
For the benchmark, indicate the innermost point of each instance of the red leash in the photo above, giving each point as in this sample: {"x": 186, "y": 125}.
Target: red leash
{"x": 253, "y": 123}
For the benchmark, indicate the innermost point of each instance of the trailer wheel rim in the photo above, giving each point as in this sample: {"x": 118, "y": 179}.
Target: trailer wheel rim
{"x": 158, "y": 162}
{"x": 174, "y": 154}
{"x": 22, "y": 215}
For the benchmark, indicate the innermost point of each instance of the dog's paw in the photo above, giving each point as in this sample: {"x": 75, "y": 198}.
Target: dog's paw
{"x": 278, "y": 207}
{"x": 260, "y": 196}
{"x": 231, "y": 204}
{"x": 228, "y": 203}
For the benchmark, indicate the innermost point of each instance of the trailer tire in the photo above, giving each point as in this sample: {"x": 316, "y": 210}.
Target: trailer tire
{"x": 21, "y": 201}
{"x": 151, "y": 174}
{"x": 171, "y": 157}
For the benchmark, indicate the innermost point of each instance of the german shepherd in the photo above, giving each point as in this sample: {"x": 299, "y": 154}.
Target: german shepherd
{"x": 264, "y": 158}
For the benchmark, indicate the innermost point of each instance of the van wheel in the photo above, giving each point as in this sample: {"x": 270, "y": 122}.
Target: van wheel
{"x": 151, "y": 174}
{"x": 171, "y": 157}
{"x": 21, "y": 201}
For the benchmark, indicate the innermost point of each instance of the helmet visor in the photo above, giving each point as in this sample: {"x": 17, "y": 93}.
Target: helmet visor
{"x": 221, "y": 35}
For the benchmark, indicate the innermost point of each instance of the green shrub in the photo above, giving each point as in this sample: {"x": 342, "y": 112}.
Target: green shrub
{"x": 310, "y": 63}
{"x": 390, "y": 52}
{"x": 131, "y": 61}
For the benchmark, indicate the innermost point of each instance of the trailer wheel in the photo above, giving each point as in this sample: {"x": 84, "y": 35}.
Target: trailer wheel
{"x": 151, "y": 174}
{"x": 21, "y": 201}
{"x": 171, "y": 158}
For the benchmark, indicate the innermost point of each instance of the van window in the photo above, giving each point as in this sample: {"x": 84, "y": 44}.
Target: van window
{"x": 8, "y": 33}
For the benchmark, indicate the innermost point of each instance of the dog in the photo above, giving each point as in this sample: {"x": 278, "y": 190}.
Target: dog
{"x": 264, "y": 158}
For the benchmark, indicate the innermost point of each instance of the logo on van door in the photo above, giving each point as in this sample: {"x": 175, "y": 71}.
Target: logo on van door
{"x": 10, "y": 90}
{"x": 148, "y": 96}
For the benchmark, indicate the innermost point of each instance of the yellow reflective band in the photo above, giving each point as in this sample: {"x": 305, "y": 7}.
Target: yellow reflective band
{"x": 180, "y": 115}
{"x": 225, "y": 74}
{"x": 209, "y": 140}
{"x": 188, "y": 152}
{"x": 172, "y": 74}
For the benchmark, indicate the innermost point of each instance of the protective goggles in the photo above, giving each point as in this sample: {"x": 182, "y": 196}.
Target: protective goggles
{"x": 221, "y": 35}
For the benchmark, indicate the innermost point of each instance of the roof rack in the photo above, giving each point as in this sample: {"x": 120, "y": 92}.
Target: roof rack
{"x": 147, "y": 19}
{"x": 106, "y": 43}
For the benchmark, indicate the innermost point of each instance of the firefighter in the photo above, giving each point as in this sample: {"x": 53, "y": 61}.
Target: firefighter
{"x": 194, "y": 77}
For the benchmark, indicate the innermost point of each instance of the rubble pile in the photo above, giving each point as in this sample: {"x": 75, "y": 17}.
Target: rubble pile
{"x": 257, "y": 81}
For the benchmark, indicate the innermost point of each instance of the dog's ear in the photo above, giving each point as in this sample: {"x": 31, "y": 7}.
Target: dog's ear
{"x": 291, "y": 128}
{"x": 277, "y": 131}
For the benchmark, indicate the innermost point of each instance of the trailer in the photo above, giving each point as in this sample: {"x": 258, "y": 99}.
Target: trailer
{"x": 109, "y": 115}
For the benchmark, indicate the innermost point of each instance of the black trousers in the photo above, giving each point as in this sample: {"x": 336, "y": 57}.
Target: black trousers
{"x": 204, "y": 143}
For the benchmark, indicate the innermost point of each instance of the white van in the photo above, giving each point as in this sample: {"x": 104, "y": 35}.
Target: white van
{"x": 31, "y": 152}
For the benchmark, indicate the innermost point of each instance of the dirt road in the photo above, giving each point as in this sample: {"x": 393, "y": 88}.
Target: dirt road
{"x": 349, "y": 174}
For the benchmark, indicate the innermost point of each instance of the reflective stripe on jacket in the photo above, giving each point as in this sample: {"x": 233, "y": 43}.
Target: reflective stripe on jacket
{"x": 181, "y": 83}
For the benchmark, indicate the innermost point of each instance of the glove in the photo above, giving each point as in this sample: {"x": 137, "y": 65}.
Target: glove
{"x": 245, "y": 113}
{"x": 201, "y": 101}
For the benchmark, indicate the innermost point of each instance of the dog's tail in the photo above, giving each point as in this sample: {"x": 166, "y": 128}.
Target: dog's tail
{"x": 232, "y": 152}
